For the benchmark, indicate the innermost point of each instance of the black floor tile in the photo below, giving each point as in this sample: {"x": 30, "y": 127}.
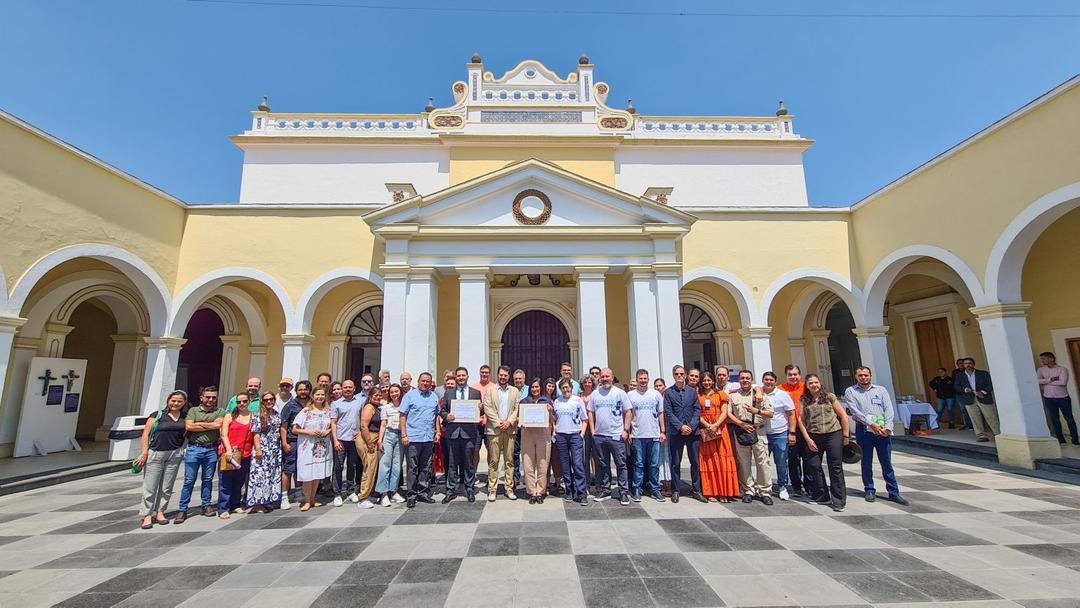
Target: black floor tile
{"x": 311, "y": 536}
{"x": 510, "y": 529}
{"x": 133, "y": 580}
{"x": 829, "y": 561}
{"x": 544, "y": 529}
{"x": 891, "y": 560}
{"x": 404, "y": 595}
{"x": 354, "y": 596}
{"x": 428, "y": 570}
{"x": 1061, "y": 555}
{"x": 337, "y": 552}
{"x": 106, "y": 503}
{"x": 603, "y": 565}
{"x": 699, "y": 542}
{"x": 250, "y": 523}
{"x": 371, "y": 572}
{"x": 193, "y": 577}
{"x": 94, "y": 600}
{"x": 902, "y": 538}
{"x": 950, "y": 538}
{"x": 880, "y": 589}
{"x": 683, "y": 526}
{"x": 119, "y": 527}
{"x": 460, "y": 517}
{"x": 615, "y": 593}
{"x": 576, "y": 512}
{"x": 104, "y": 558}
{"x": 544, "y": 545}
{"x": 749, "y": 541}
{"x": 157, "y": 599}
{"x": 678, "y": 592}
{"x": 662, "y": 565}
{"x": 124, "y": 541}
{"x": 487, "y": 547}
{"x": 4, "y": 540}
{"x": 285, "y": 523}
{"x": 944, "y": 587}
{"x": 283, "y": 553}
{"x": 727, "y": 524}
{"x": 355, "y": 534}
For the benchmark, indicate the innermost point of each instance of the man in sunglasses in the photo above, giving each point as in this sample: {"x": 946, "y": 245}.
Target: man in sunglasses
{"x": 284, "y": 394}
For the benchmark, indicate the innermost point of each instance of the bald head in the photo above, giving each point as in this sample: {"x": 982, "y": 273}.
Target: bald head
{"x": 254, "y": 385}
{"x": 606, "y": 377}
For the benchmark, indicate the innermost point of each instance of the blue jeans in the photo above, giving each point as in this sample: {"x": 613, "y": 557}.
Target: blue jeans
{"x": 950, "y": 405}
{"x": 646, "y": 456}
{"x": 202, "y": 462}
{"x": 870, "y": 443}
{"x": 571, "y": 450}
{"x": 390, "y": 463}
{"x": 778, "y": 447}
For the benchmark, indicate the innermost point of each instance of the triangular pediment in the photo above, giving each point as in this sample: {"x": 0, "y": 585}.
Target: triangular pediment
{"x": 530, "y": 194}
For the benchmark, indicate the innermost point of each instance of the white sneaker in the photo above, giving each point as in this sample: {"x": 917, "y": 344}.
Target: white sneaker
{"x": 398, "y": 499}
{"x": 338, "y": 502}
{"x": 783, "y": 494}
{"x": 385, "y": 501}
{"x": 285, "y": 506}
{"x": 367, "y": 504}
{"x": 353, "y": 497}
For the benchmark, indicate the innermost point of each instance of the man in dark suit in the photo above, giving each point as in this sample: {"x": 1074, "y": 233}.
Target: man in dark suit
{"x": 975, "y": 391}
{"x": 463, "y": 439}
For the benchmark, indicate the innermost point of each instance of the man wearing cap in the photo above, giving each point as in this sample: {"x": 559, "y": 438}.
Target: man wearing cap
{"x": 874, "y": 413}
{"x": 284, "y": 393}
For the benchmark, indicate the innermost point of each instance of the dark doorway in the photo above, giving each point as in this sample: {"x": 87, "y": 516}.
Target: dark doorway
{"x": 200, "y": 357}
{"x": 843, "y": 347}
{"x": 699, "y": 346}
{"x": 536, "y": 342}
{"x": 365, "y": 344}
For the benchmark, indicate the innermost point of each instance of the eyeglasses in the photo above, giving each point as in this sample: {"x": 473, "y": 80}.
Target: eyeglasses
{"x": 284, "y": 386}
{"x": 366, "y": 382}
{"x": 269, "y": 399}
{"x": 680, "y": 373}
{"x": 241, "y": 401}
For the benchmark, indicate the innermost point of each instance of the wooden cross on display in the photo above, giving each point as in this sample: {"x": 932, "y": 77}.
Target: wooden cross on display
{"x": 45, "y": 380}
{"x": 71, "y": 377}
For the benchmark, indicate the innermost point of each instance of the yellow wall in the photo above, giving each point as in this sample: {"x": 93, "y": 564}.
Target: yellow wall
{"x": 1047, "y": 283}
{"x": 52, "y": 198}
{"x": 982, "y": 187}
{"x": 618, "y": 329}
{"x": 91, "y": 340}
{"x": 595, "y": 163}
{"x": 446, "y": 346}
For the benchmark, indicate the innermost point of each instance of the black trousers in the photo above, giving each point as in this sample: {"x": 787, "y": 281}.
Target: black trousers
{"x": 459, "y": 467}
{"x": 419, "y": 454}
{"x": 692, "y": 444}
{"x": 831, "y": 446}
{"x": 608, "y": 449}
{"x": 592, "y": 462}
{"x": 800, "y": 475}
{"x": 346, "y": 469}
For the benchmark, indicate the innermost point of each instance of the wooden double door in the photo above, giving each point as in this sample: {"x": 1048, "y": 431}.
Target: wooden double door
{"x": 935, "y": 348}
{"x": 536, "y": 342}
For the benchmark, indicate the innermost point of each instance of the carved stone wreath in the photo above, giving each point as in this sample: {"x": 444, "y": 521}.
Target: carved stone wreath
{"x": 448, "y": 121}
{"x": 613, "y": 122}
{"x": 459, "y": 88}
{"x": 537, "y": 220}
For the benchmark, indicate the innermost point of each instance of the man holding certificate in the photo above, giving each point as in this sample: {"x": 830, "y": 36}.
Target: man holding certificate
{"x": 460, "y": 413}
{"x": 500, "y": 405}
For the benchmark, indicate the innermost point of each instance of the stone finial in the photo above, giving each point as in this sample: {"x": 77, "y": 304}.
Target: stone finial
{"x": 781, "y": 111}
{"x": 264, "y": 105}
{"x": 475, "y": 58}
{"x": 630, "y": 106}
{"x": 430, "y": 107}
{"x": 583, "y": 60}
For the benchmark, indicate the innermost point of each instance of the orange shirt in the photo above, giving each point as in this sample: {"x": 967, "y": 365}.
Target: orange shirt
{"x": 795, "y": 391}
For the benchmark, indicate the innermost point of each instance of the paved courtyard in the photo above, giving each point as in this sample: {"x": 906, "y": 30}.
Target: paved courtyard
{"x": 971, "y": 537}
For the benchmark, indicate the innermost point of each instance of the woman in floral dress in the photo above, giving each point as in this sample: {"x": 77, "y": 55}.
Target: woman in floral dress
{"x": 264, "y": 483}
{"x": 313, "y": 450}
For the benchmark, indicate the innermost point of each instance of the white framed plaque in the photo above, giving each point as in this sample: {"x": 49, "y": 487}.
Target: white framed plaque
{"x": 465, "y": 410}
{"x": 534, "y": 415}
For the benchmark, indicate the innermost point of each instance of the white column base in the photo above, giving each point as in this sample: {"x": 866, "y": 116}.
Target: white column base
{"x": 296, "y": 354}
{"x": 758, "y": 350}
{"x": 1022, "y": 452}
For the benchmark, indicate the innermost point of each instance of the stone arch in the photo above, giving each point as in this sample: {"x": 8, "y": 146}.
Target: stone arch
{"x": 126, "y": 307}
{"x": 354, "y": 307}
{"x": 503, "y": 318}
{"x": 197, "y": 291}
{"x": 704, "y": 302}
{"x": 146, "y": 280}
{"x": 309, "y": 300}
{"x": 1005, "y": 265}
{"x": 886, "y": 272}
{"x": 740, "y": 292}
{"x": 841, "y": 286}
{"x": 63, "y": 296}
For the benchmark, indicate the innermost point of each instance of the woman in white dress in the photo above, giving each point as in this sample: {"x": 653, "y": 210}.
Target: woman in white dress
{"x": 314, "y": 460}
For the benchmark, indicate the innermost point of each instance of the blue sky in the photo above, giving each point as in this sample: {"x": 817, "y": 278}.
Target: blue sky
{"x": 155, "y": 87}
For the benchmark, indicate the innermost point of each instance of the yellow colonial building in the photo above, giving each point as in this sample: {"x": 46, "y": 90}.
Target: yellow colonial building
{"x": 531, "y": 223}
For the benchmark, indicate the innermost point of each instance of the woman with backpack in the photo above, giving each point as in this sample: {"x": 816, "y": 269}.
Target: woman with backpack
{"x": 160, "y": 458}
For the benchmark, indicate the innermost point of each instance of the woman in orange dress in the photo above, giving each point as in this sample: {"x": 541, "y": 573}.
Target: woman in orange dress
{"x": 719, "y": 470}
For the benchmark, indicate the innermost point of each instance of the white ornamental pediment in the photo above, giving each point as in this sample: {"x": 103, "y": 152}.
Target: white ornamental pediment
{"x": 530, "y": 195}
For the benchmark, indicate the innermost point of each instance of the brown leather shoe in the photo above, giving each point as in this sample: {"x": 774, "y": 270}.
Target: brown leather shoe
{"x": 181, "y": 517}
{"x": 209, "y": 512}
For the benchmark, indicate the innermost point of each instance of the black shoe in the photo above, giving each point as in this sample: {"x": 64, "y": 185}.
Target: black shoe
{"x": 583, "y": 501}
{"x": 797, "y": 493}
{"x": 766, "y": 499}
{"x": 900, "y": 500}
{"x": 532, "y": 500}
{"x": 471, "y": 496}
{"x": 568, "y": 498}
{"x": 658, "y": 497}
{"x": 747, "y": 499}
{"x": 540, "y": 499}
{"x": 426, "y": 499}
{"x": 410, "y": 503}
{"x": 446, "y": 499}
{"x": 870, "y": 497}
{"x": 674, "y": 497}
{"x": 837, "y": 507}
{"x": 624, "y": 500}
{"x": 698, "y": 497}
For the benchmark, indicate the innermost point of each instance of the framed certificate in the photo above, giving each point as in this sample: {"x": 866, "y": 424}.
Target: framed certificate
{"x": 465, "y": 410}
{"x": 534, "y": 415}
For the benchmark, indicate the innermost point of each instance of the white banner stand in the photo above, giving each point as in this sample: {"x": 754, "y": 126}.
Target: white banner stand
{"x": 50, "y": 406}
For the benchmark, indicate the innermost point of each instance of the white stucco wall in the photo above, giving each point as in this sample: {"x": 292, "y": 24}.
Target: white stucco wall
{"x": 339, "y": 173}
{"x": 722, "y": 177}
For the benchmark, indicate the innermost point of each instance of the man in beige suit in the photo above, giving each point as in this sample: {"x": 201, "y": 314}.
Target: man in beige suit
{"x": 501, "y": 406}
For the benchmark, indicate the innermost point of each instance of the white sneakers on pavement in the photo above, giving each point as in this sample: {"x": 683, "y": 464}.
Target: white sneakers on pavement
{"x": 285, "y": 506}
{"x": 385, "y": 501}
{"x": 353, "y": 498}
{"x": 367, "y": 504}
{"x": 338, "y": 502}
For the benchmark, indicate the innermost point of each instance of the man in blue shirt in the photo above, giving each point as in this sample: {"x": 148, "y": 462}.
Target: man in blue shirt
{"x": 418, "y": 411}
{"x": 682, "y": 413}
{"x": 872, "y": 408}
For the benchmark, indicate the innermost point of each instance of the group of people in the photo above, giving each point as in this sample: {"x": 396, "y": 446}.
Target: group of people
{"x": 305, "y": 443}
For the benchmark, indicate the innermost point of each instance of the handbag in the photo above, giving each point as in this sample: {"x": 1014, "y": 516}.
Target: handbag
{"x": 136, "y": 468}
{"x": 745, "y": 437}
{"x": 235, "y": 455}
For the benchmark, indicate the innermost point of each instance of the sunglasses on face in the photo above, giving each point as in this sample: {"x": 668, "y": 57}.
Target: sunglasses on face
{"x": 366, "y": 382}
{"x": 268, "y": 399}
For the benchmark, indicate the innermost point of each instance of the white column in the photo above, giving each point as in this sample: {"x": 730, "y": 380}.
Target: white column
{"x": 9, "y": 358}
{"x": 819, "y": 340}
{"x": 125, "y": 380}
{"x": 420, "y": 311}
{"x": 757, "y": 349}
{"x": 473, "y": 321}
{"x": 725, "y": 351}
{"x": 592, "y": 316}
{"x": 395, "y": 290}
{"x": 296, "y": 355}
{"x": 230, "y": 347}
{"x": 53, "y": 338}
{"x": 798, "y": 354}
{"x": 339, "y": 350}
{"x": 644, "y": 331}
{"x": 1024, "y": 435}
{"x": 159, "y": 377}
{"x": 575, "y": 356}
{"x": 668, "y": 317}
{"x": 495, "y": 355}
{"x": 257, "y": 364}
{"x": 874, "y": 353}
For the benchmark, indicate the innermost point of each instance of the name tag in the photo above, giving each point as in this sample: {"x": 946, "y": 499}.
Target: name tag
{"x": 876, "y": 400}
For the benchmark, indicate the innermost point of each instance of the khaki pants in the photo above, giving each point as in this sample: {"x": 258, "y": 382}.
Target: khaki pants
{"x": 984, "y": 418}
{"x": 501, "y": 444}
{"x": 535, "y": 452}
{"x": 756, "y": 467}
{"x": 369, "y": 461}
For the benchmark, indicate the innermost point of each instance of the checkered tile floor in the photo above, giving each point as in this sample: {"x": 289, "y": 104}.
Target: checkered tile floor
{"x": 972, "y": 537}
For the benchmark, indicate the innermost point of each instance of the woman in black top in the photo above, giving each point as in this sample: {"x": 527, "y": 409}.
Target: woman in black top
{"x": 161, "y": 442}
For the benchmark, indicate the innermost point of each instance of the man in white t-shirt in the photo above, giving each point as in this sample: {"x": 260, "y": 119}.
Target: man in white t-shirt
{"x": 284, "y": 394}
{"x": 648, "y": 436}
{"x": 723, "y": 380}
{"x": 781, "y": 433}
{"x": 610, "y": 420}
